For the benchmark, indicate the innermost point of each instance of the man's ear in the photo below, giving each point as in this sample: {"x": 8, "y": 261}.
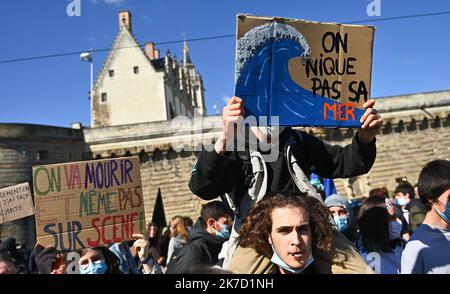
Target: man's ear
{"x": 210, "y": 223}
{"x": 270, "y": 239}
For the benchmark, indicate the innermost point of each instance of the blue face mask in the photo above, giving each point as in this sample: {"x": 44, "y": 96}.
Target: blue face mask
{"x": 224, "y": 233}
{"x": 444, "y": 215}
{"x": 400, "y": 201}
{"x": 278, "y": 261}
{"x": 341, "y": 223}
{"x": 99, "y": 267}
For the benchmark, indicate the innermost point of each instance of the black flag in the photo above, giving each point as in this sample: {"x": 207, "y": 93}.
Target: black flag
{"x": 159, "y": 216}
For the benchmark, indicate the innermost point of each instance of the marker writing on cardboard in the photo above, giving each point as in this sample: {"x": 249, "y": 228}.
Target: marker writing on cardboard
{"x": 67, "y": 236}
{"x": 321, "y": 68}
{"x": 100, "y": 175}
{"x": 107, "y": 173}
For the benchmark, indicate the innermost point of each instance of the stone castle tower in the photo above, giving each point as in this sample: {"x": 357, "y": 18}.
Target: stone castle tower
{"x": 137, "y": 85}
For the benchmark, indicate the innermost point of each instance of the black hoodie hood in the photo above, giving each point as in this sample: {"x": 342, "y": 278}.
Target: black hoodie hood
{"x": 202, "y": 248}
{"x": 199, "y": 234}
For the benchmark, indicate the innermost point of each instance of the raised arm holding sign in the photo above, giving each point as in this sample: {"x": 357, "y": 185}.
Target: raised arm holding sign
{"x": 279, "y": 64}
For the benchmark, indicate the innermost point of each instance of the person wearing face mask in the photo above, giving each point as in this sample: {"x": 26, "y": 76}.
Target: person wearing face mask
{"x": 290, "y": 230}
{"x": 379, "y": 238}
{"x": 205, "y": 240}
{"x": 278, "y": 158}
{"x": 342, "y": 217}
{"x": 98, "y": 261}
{"x": 412, "y": 208}
{"x": 427, "y": 252}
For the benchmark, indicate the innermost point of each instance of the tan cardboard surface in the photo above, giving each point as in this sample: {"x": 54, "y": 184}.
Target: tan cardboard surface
{"x": 89, "y": 203}
{"x": 15, "y": 203}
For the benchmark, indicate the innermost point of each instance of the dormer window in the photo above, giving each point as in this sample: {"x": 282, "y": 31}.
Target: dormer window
{"x": 136, "y": 70}
{"x": 111, "y": 73}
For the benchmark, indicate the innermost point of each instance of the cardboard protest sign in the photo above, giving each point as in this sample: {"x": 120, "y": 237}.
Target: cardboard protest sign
{"x": 87, "y": 204}
{"x": 15, "y": 203}
{"x": 307, "y": 73}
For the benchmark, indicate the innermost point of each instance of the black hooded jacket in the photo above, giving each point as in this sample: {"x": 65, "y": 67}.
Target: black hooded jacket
{"x": 202, "y": 248}
{"x": 214, "y": 175}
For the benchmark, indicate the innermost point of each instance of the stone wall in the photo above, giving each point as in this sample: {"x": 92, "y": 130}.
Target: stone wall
{"x": 161, "y": 166}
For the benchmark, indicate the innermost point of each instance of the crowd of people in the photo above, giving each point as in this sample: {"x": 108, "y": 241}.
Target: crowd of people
{"x": 285, "y": 232}
{"x": 272, "y": 219}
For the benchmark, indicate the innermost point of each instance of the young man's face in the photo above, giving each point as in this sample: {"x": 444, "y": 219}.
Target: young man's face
{"x": 405, "y": 197}
{"x": 221, "y": 222}
{"x": 217, "y": 225}
{"x": 291, "y": 235}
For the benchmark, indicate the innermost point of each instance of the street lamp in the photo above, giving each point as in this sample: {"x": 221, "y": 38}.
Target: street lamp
{"x": 87, "y": 56}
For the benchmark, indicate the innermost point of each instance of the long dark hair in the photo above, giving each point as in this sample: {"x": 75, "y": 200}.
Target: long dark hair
{"x": 373, "y": 224}
{"x": 155, "y": 241}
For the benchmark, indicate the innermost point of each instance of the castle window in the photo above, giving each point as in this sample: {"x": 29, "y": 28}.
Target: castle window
{"x": 111, "y": 73}
{"x": 136, "y": 70}
{"x": 104, "y": 97}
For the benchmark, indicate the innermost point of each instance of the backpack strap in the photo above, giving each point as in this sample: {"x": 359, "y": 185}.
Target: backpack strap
{"x": 246, "y": 167}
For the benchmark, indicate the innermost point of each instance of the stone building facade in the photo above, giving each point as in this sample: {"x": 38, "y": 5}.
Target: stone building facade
{"x": 138, "y": 85}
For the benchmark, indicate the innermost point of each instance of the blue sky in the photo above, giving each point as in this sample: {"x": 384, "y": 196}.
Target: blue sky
{"x": 410, "y": 55}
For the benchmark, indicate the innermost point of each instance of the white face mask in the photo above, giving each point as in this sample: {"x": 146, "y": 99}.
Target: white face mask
{"x": 278, "y": 261}
{"x": 402, "y": 201}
